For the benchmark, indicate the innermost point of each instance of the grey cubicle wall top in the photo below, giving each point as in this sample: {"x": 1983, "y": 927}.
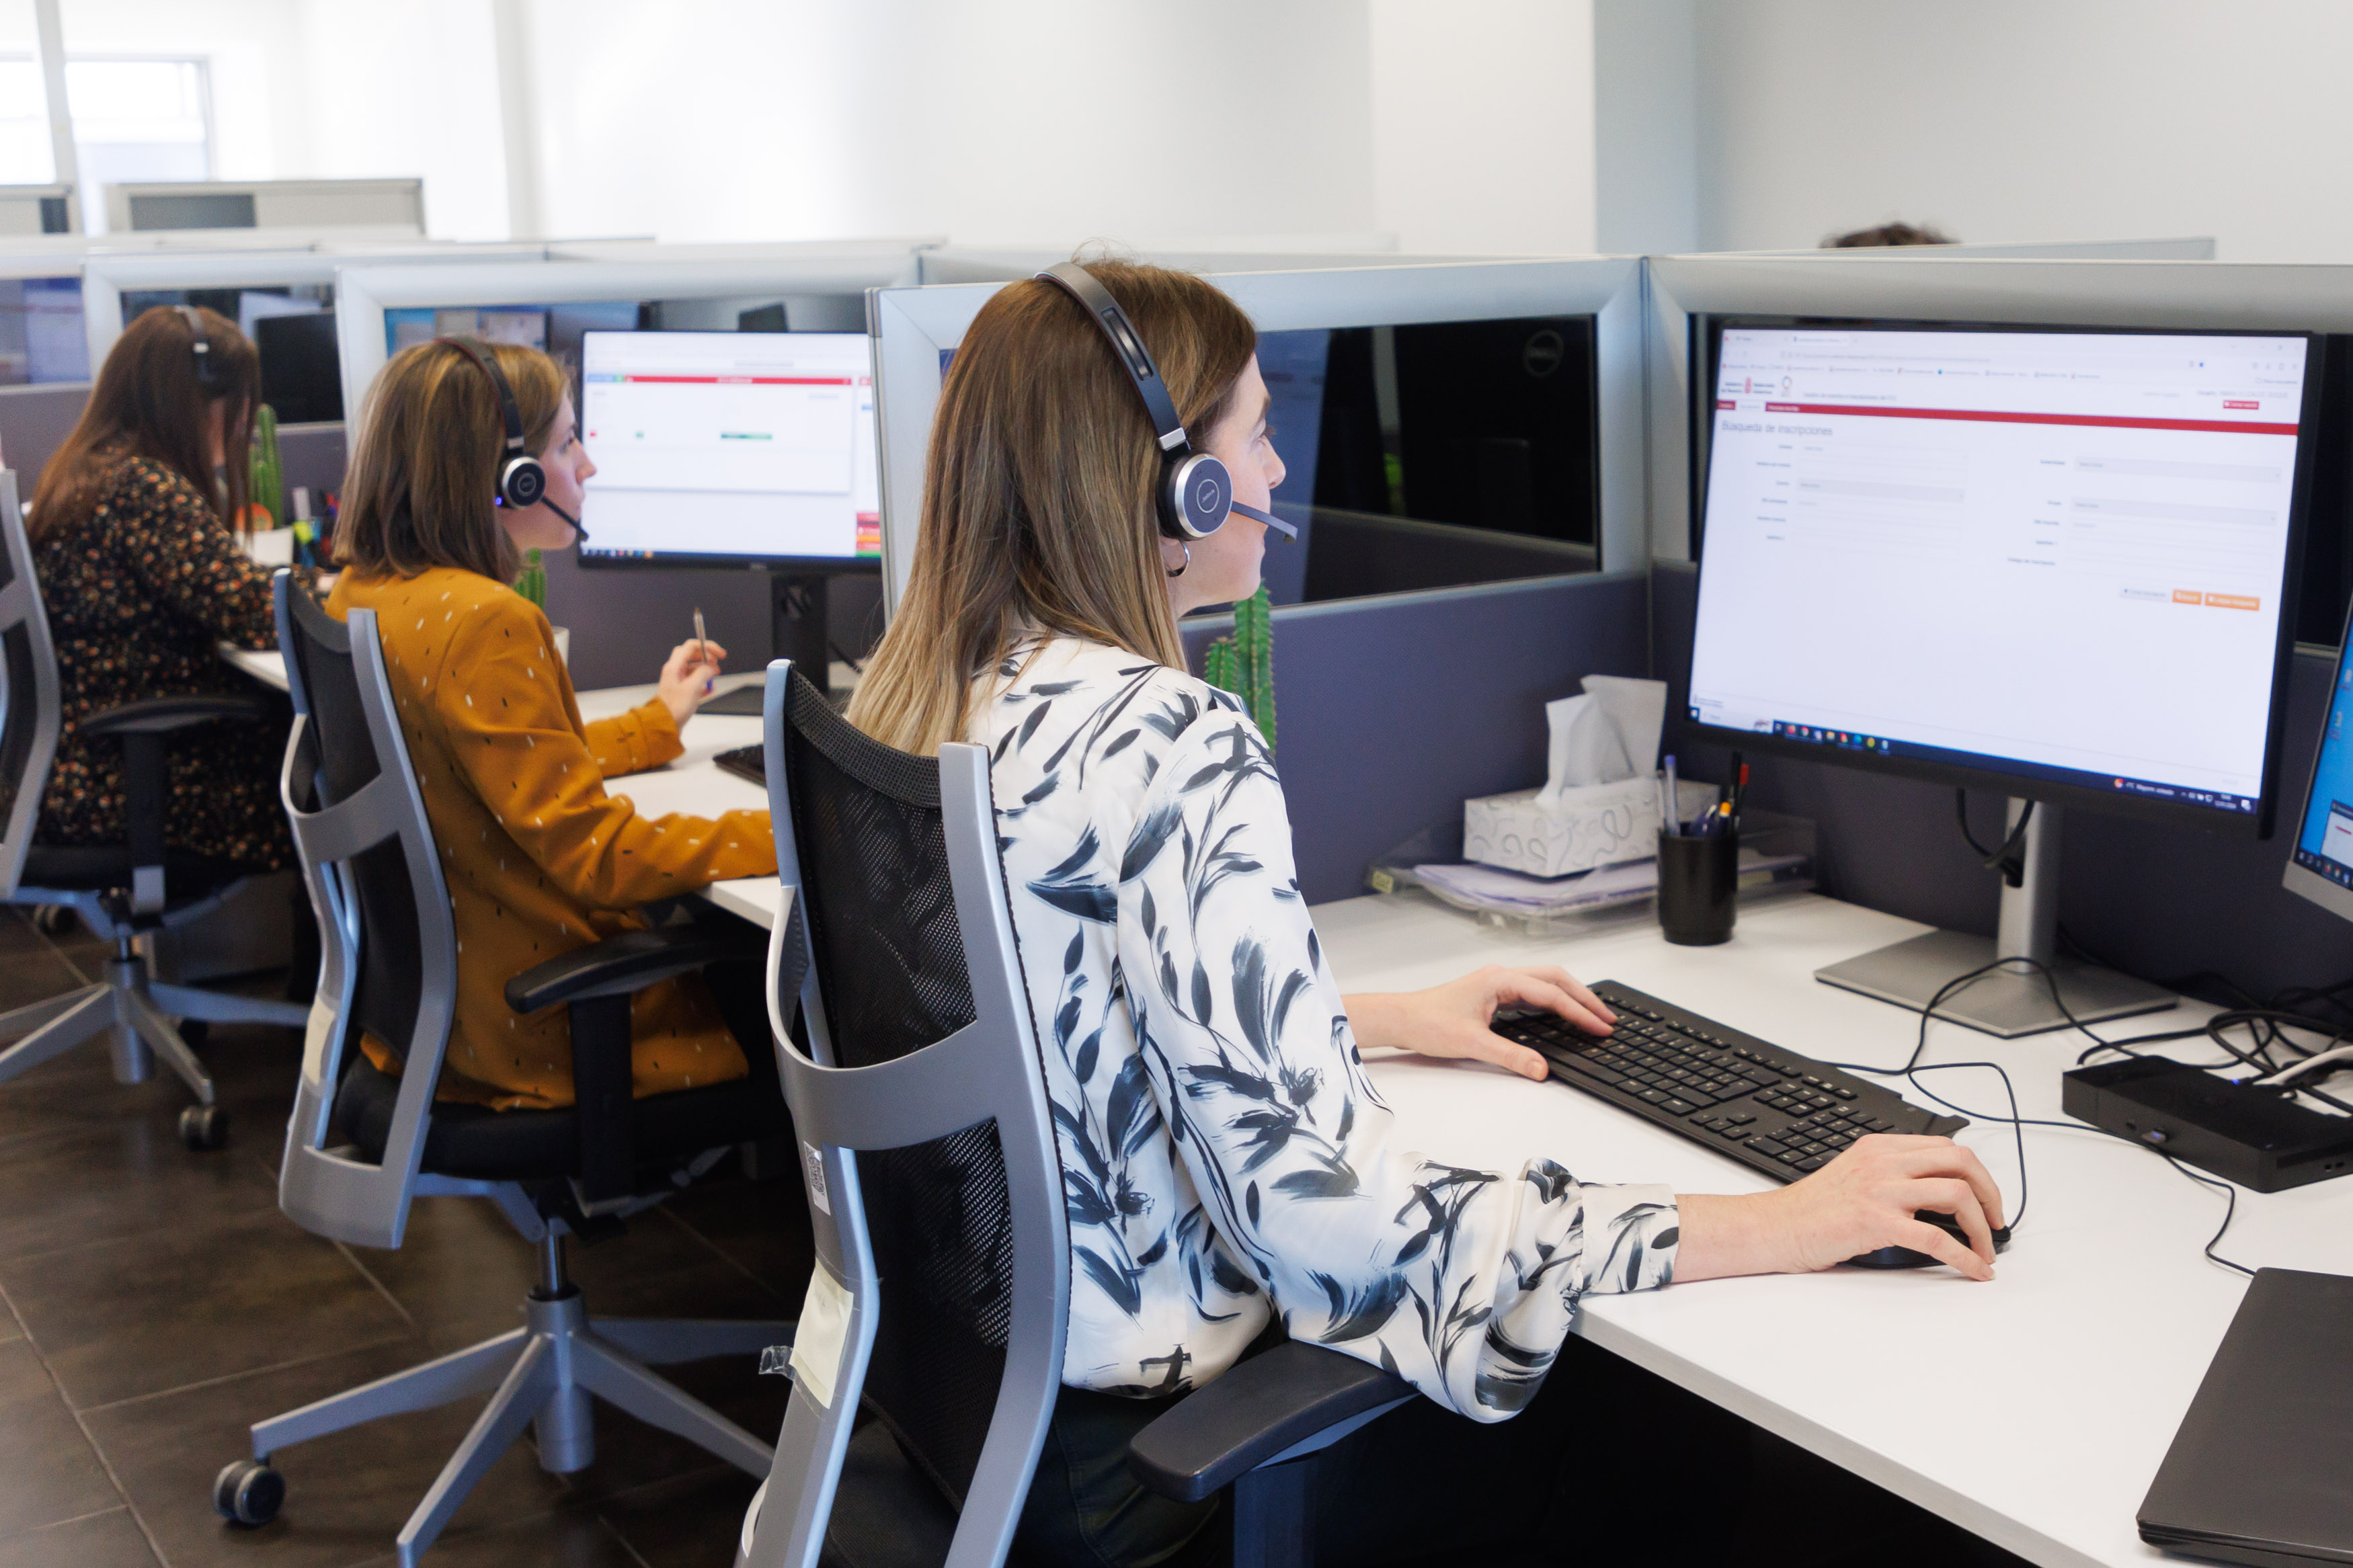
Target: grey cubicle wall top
{"x": 913, "y": 327}
{"x": 835, "y": 275}
{"x": 2175, "y": 294}
{"x": 393, "y": 206}
{"x": 1005, "y": 263}
{"x": 2188, "y": 247}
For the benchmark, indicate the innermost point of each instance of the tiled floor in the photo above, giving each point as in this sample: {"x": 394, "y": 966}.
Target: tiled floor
{"x": 153, "y": 1302}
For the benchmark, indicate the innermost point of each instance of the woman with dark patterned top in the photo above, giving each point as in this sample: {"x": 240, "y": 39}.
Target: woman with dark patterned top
{"x": 140, "y": 577}
{"x": 1231, "y": 1169}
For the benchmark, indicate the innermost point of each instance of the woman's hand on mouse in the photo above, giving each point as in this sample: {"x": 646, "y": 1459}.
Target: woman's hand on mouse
{"x": 1859, "y": 1202}
{"x": 1453, "y": 1019}
{"x": 687, "y": 675}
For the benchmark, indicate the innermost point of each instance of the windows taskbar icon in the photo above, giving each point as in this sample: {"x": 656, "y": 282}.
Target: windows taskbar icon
{"x": 1845, "y": 740}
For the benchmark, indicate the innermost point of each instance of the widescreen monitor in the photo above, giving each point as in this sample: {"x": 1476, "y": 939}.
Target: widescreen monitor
{"x": 2052, "y": 562}
{"x": 730, "y": 448}
{"x": 2320, "y": 865}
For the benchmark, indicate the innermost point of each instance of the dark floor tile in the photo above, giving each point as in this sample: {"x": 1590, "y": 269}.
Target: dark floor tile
{"x": 695, "y": 1522}
{"x": 662, "y": 1269}
{"x": 33, "y": 974}
{"x": 253, "y": 1068}
{"x": 347, "y": 1494}
{"x": 108, "y": 1539}
{"x": 117, "y": 1181}
{"x": 559, "y": 1540}
{"x": 47, "y": 1472}
{"x": 631, "y": 1454}
{"x": 763, "y": 1225}
{"x": 122, "y": 1318}
{"x": 461, "y": 1272}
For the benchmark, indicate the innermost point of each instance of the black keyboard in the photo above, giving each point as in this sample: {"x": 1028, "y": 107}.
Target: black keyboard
{"x": 1769, "y": 1109}
{"x": 746, "y": 763}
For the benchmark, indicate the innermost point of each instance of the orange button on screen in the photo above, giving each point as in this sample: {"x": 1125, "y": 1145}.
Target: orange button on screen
{"x": 2188, "y": 596}
{"x": 2234, "y": 602}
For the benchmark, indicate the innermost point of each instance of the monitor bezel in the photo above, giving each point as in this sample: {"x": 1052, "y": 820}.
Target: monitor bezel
{"x": 2257, "y": 825}
{"x": 591, "y": 560}
{"x": 2299, "y": 879}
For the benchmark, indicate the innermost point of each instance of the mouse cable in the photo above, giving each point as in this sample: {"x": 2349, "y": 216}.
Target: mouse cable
{"x": 2230, "y": 1212}
{"x": 2007, "y": 859}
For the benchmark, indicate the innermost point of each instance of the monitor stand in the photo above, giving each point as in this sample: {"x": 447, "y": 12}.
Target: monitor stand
{"x": 797, "y": 632}
{"x": 2014, "y": 1000}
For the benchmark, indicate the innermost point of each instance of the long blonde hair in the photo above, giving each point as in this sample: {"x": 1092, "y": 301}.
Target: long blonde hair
{"x": 1037, "y": 509}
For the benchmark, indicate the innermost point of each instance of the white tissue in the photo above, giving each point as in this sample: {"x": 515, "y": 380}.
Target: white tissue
{"x": 1606, "y": 736}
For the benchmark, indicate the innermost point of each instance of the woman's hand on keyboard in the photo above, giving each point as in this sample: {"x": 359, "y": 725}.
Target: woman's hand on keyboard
{"x": 1452, "y": 1020}
{"x": 1864, "y": 1200}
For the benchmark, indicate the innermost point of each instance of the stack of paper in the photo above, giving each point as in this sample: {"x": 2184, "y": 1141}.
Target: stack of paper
{"x": 1474, "y": 886}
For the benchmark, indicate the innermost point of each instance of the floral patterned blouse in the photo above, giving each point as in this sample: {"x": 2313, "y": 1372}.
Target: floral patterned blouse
{"x": 1224, "y": 1157}
{"x": 137, "y": 595}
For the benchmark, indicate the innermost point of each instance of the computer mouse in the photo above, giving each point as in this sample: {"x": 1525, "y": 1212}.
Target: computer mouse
{"x": 1906, "y": 1258}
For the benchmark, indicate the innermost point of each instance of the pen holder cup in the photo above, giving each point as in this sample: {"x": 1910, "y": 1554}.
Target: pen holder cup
{"x": 1699, "y": 881}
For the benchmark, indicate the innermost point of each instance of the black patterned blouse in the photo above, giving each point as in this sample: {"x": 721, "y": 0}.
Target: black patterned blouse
{"x": 137, "y": 595}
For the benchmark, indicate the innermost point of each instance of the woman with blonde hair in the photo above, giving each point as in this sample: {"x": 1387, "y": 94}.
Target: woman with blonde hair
{"x": 540, "y": 859}
{"x": 1228, "y": 1164}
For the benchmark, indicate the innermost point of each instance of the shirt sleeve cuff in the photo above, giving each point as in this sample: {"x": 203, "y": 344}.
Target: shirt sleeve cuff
{"x": 1630, "y": 1234}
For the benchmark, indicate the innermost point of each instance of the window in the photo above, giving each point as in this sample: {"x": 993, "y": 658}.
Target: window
{"x": 25, "y": 157}
{"x": 138, "y": 121}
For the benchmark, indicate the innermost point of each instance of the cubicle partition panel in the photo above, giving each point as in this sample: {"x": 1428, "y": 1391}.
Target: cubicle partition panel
{"x": 916, "y": 329}
{"x": 34, "y": 420}
{"x": 1392, "y": 711}
{"x": 2187, "y": 248}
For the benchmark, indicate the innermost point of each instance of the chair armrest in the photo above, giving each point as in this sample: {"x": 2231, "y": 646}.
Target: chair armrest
{"x": 164, "y": 715}
{"x": 1262, "y": 1407}
{"x": 628, "y": 963}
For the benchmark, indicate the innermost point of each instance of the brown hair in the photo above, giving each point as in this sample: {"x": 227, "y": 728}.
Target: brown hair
{"x": 424, "y": 475}
{"x": 1038, "y": 506}
{"x": 1888, "y": 234}
{"x": 146, "y": 404}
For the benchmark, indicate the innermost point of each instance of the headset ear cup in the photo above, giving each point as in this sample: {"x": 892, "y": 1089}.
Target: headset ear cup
{"x": 522, "y": 483}
{"x": 1195, "y": 494}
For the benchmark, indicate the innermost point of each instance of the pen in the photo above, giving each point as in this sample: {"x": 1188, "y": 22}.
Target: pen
{"x": 1666, "y": 809}
{"x": 1739, "y": 793}
{"x": 1674, "y": 804}
{"x": 702, "y": 648}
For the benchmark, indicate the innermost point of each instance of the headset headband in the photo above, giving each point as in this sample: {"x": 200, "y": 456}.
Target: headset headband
{"x": 523, "y": 481}
{"x": 509, "y": 411}
{"x": 208, "y": 375}
{"x": 1127, "y": 347}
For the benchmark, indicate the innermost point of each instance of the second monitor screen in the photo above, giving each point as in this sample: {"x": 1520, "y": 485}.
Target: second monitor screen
{"x": 733, "y": 447}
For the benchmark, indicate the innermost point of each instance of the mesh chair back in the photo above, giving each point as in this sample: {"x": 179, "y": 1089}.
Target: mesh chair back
{"x": 388, "y": 960}
{"x": 935, "y": 1192}
{"x": 29, "y": 702}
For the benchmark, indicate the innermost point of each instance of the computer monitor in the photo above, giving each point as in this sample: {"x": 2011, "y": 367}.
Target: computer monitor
{"x": 2050, "y": 562}
{"x": 301, "y": 377}
{"x": 731, "y": 449}
{"x": 2320, "y": 863}
{"x": 41, "y": 333}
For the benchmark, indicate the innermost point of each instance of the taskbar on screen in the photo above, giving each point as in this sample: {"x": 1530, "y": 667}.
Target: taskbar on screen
{"x": 1882, "y": 746}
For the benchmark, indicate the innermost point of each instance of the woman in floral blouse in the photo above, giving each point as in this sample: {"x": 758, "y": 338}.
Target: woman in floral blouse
{"x": 141, "y": 578}
{"x": 1228, "y": 1164}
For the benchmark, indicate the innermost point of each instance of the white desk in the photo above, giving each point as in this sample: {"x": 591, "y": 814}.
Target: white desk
{"x": 266, "y": 664}
{"x": 2031, "y": 1411}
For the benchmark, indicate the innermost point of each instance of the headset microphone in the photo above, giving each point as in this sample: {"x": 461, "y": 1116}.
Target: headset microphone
{"x": 1194, "y": 492}
{"x": 580, "y": 535}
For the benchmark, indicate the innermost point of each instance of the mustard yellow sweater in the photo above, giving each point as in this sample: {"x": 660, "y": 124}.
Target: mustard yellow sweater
{"x": 539, "y": 859}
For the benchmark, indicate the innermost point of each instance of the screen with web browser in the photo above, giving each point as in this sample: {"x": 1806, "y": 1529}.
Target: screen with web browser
{"x": 2055, "y": 559}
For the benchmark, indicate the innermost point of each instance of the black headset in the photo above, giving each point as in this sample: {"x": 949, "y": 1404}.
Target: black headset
{"x": 1194, "y": 492}
{"x": 523, "y": 481}
{"x": 212, "y": 377}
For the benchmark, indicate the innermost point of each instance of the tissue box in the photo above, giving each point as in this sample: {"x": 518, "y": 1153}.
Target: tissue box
{"x": 1596, "y": 824}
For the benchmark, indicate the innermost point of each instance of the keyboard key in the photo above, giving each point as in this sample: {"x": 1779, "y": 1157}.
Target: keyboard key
{"x": 1653, "y": 1097}
{"x": 1679, "y": 1106}
{"x": 1842, "y": 1093}
{"x": 1813, "y": 1163}
{"x": 1742, "y": 1119}
{"x": 1768, "y": 1146}
{"x": 1734, "y": 1134}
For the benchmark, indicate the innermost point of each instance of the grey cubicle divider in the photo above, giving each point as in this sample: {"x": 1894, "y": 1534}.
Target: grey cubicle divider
{"x": 33, "y": 421}
{"x": 2157, "y": 901}
{"x": 312, "y": 455}
{"x": 624, "y": 623}
{"x": 1391, "y": 711}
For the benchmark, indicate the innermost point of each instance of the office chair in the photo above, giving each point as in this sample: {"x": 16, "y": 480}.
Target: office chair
{"x": 362, "y": 1144}
{"x": 121, "y": 891}
{"x": 943, "y": 1285}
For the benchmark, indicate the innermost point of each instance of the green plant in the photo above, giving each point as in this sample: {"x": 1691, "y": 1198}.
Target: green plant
{"x": 1243, "y": 663}
{"x": 532, "y": 584}
{"x": 266, "y": 487}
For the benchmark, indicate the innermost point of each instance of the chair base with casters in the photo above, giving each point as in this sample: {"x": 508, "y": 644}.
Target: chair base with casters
{"x": 142, "y": 1017}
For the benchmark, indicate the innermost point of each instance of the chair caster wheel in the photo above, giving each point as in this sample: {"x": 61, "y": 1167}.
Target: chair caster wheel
{"x": 204, "y": 1127}
{"x": 247, "y": 1492}
{"x": 194, "y": 1033}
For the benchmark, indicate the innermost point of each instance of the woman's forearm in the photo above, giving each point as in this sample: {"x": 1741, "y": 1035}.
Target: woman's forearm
{"x": 1724, "y": 1235}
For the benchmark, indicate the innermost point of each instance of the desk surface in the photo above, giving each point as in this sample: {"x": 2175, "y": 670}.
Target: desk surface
{"x": 2033, "y": 1411}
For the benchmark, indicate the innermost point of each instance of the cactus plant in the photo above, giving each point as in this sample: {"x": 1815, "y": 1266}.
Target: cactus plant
{"x": 532, "y": 584}
{"x": 267, "y": 486}
{"x": 1243, "y": 663}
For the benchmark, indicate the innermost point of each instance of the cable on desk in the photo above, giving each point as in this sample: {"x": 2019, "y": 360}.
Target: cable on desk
{"x": 2230, "y": 1212}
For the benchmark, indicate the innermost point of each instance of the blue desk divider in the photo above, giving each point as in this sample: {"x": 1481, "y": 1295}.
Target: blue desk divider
{"x": 1391, "y": 711}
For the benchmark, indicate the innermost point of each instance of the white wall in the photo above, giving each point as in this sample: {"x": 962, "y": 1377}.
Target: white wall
{"x": 2017, "y": 119}
{"x": 254, "y": 51}
{"x": 1482, "y": 125}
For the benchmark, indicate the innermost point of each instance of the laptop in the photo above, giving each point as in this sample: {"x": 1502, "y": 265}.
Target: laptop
{"x": 2261, "y": 1470}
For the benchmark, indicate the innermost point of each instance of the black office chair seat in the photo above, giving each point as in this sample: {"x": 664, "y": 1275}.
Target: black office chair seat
{"x": 102, "y": 867}
{"x": 483, "y": 1145}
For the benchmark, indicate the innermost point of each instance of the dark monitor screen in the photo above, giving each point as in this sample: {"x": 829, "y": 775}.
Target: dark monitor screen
{"x": 301, "y": 374}
{"x": 2051, "y": 561}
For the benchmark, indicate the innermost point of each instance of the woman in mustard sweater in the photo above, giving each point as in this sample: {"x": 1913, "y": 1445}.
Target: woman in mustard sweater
{"x": 539, "y": 858}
